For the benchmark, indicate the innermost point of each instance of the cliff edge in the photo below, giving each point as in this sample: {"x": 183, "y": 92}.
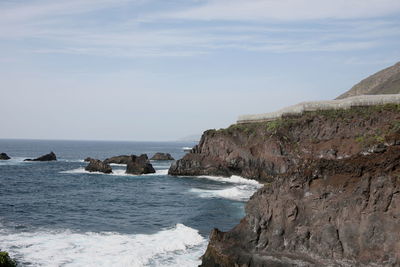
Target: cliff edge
{"x": 262, "y": 150}
{"x": 331, "y": 194}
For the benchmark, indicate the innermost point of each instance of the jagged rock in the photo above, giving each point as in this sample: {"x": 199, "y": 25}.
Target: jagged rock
{"x": 96, "y": 165}
{"x": 4, "y": 156}
{"x": 139, "y": 165}
{"x": 88, "y": 159}
{"x": 48, "y": 157}
{"x": 162, "y": 156}
{"x": 263, "y": 150}
{"x": 323, "y": 212}
{"x": 123, "y": 159}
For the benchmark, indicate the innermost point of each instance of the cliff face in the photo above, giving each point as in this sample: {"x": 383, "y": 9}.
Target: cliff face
{"x": 260, "y": 151}
{"x": 331, "y": 194}
{"x": 322, "y": 213}
{"x": 386, "y": 81}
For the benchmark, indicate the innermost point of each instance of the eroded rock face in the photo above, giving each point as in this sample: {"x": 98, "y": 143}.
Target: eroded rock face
{"x": 96, "y": 165}
{"x": 139, "y": 165}
{"x": 123, "y": 159}
{"x": 162, "y": 156}
{"x": 48, "y": 157}
{"x": 4, "y": 156}
{"x": 261, "y": 151}
{"x": 323, "y": 212}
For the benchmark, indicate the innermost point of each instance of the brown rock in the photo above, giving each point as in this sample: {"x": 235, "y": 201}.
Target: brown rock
{"x": 162, "y": 156}
{"x": 96, "y": 165}
{"x": 321, "y": 213}
{"x": 139, "y": 165}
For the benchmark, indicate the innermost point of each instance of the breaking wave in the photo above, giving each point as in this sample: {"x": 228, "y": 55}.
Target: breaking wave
{"x": 179, "y": 246}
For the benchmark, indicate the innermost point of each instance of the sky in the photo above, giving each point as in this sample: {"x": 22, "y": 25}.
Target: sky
{"x": 160, "y": 70}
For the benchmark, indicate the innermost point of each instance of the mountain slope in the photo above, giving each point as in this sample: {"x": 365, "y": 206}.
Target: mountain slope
{"x": 386, "y": 81}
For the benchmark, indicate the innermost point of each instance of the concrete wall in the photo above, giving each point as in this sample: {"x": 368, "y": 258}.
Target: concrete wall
{"x": 361, "y": 100}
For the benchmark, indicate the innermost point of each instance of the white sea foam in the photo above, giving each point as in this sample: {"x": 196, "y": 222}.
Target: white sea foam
{"x": 117, "y": 164}
{"x": 238, "y": 193}
{"x": 179, "y": 246}
{"x": 242, "y": 190}
{"x": 116, "y": 172}
{"x": 233, "y": 179}
{"x": 13, "y": 161}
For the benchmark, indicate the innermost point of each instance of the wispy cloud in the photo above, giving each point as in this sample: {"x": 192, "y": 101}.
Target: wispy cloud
{"x": 291, "y": 10}
{"x": 69, "y": 27}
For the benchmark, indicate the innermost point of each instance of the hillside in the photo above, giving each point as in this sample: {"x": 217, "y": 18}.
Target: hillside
{"x": 386, "y": 81}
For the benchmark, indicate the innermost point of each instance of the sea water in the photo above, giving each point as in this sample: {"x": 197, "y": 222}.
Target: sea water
{"x": 57, "y": 214}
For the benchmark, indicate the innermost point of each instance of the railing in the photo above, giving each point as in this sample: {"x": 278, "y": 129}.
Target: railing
{"x": 362, "y": 100}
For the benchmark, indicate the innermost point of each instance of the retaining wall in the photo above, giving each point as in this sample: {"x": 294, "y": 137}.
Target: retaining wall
{"x": 361, "y": 100}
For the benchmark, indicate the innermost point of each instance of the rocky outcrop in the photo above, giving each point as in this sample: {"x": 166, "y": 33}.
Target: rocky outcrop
{"x": 322, "y": 212}
{"x": 96, "y": 165}
{"x": 4, "y": 156}
{"x": 139, "y": 165}
{"x": 162, "y": 156}
{"x": 123, "y": 159}
{"x": 88, "y": 159}
{"x": 386, "y": 81}
{"x": 263, "y": 150}
{"x": 48, "y": 157}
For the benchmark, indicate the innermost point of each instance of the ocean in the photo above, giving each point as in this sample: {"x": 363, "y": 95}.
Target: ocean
{"x": 57, "y": 214}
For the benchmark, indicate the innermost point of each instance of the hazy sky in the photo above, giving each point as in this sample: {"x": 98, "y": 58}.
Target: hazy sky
{"x": 165, "y": 69}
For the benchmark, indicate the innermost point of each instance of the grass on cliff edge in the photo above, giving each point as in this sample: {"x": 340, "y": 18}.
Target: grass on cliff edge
{"x": 286, "y": 122}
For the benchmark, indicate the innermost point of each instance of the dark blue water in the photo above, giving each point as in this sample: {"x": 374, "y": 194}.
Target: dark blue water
{"x": 154, "y": 220}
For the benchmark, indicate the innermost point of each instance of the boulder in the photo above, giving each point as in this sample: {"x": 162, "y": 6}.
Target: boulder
{"x": 48, "y": 157}
{"x": 162, "y": 156}
{"x": 123, "y": 159}
{"x": 96, "y": 165}
{"x": 88, "y": 159}
{"x": 4, "y": 156}
{"x": 139, "y": 165}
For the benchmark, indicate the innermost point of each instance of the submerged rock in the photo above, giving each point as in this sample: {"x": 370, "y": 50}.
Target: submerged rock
{"x": 4, "y": 156}
{"x": 48, "y": 157}
{"x": 123, "y": 159}
{"x": 6, "y": 261}
{"x": 96, "y": 165}
{"x": 162, "y": 156}
{"x": 139, "y": 165}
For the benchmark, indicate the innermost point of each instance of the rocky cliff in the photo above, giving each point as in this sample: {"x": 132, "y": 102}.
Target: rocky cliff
{"x": 324, "y": 212}
{"x": 262, "y": 150}
{"x": 386, "y": 81}
{"x": 331, "y": 194}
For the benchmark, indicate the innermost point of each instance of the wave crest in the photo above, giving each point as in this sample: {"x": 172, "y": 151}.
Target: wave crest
{"x": 179, "y": 246}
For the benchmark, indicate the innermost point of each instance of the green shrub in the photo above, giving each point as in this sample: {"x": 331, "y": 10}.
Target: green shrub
{"x": 6, "y": 261}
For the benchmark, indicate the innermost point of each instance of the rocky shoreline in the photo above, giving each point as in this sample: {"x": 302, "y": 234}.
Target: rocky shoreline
{"x": 332, "y": 193}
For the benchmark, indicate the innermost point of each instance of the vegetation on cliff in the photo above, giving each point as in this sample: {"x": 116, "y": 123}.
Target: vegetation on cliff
{"x": 262, "y": 150}
{"x": 333, "y": 191}
{"x": 6, "y": 261}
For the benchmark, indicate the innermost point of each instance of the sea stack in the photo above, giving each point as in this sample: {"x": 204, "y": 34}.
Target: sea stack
{"x": 48, "y": 157}
{"x": 162, "y": 156}
{"x": 123, "y": 159}
{"x": 4, "y": 156}
{"x": 139, "y": 165}
{"x": 96, "y": 165}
